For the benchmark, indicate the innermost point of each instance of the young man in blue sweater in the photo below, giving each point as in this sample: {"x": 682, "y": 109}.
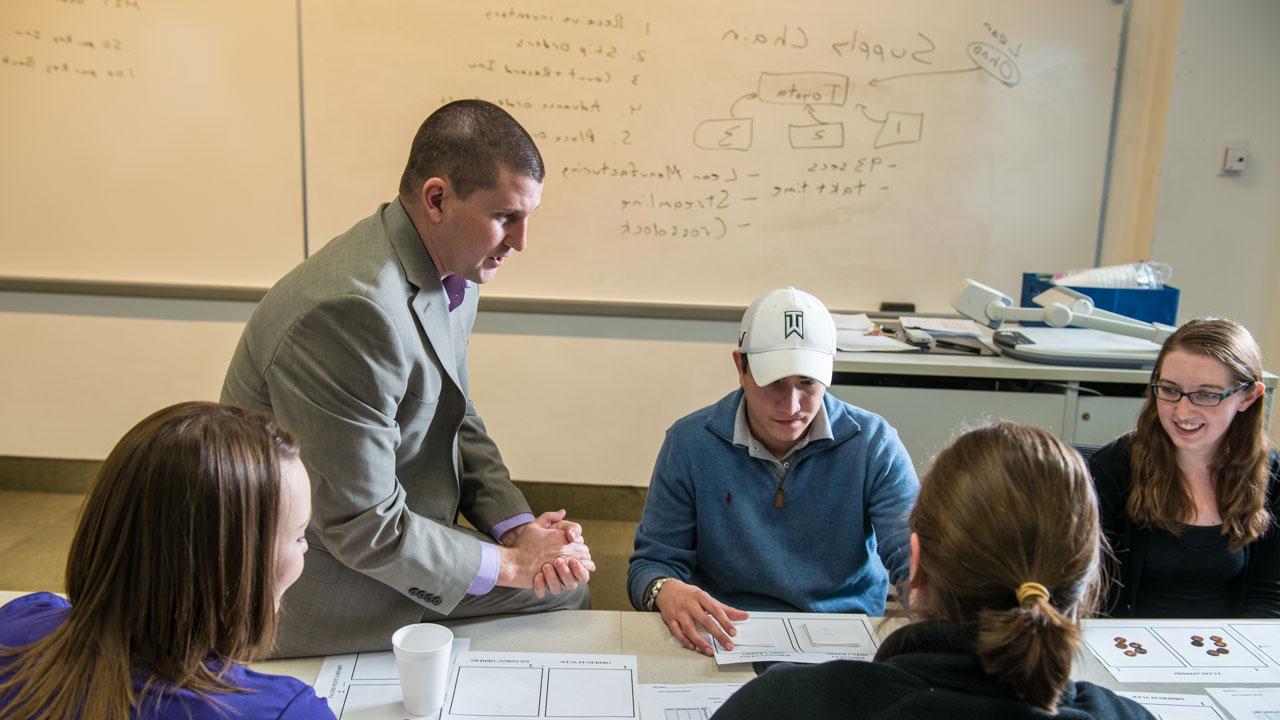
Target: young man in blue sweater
{"x": 777, "y": 497}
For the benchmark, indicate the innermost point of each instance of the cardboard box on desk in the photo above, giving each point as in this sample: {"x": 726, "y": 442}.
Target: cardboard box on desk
{"x": 1145, "y": 304}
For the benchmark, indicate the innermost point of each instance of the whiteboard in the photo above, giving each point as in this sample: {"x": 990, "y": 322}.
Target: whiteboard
{"x": 148, "y": 141}
{"x": 705, "y": 152}
{"x": 697, "y": 153}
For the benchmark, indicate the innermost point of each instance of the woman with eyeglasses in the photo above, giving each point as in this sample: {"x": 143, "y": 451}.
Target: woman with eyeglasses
{"x": 1189, "y": 499}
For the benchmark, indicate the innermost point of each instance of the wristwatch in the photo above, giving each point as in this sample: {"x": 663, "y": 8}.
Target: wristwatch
{"x": 651, "y": 593}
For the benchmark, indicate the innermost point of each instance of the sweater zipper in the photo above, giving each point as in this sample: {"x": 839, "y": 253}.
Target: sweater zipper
{"x": 777, "y": 496}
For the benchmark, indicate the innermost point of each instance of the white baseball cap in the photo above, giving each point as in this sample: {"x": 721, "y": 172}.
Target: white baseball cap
{"x": 788, "y": 332}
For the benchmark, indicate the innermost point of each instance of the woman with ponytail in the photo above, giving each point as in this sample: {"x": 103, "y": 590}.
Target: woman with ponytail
{"x": 1005, "y": 554}
{"x": 189, "y": 535}
{"x": 1191, "y": 496}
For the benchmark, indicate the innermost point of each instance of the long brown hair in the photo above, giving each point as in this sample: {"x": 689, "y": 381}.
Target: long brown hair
{"x": 171, "y": 571}
{"x": 1159, "y": 498}
{"x": 1003, "y": 506}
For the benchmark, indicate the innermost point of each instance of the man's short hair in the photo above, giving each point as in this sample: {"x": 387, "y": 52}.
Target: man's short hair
{"x": 467, "y": 142}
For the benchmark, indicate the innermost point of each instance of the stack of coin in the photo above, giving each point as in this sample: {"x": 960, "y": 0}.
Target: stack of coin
{"x": 1219, "y": 644}
{"x": 1131, "y": 649}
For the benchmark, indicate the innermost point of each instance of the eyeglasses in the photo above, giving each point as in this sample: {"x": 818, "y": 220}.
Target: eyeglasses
{"x": 1203, "y": 398}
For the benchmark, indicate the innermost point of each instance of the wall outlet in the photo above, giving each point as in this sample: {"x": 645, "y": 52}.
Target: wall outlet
{"x": 1234, "y": 156}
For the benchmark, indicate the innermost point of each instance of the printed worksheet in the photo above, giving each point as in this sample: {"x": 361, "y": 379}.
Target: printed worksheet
{"x": 499, "y": 686}
{"x": 684, "y": 702}
{"x": 800, "y": 638}
{"x": 1264, "y": 635}
{"x": 1185, "y": 651}
{"x": 1249, "y": 703}
{"x": 366, "y": 686}
{"x": 1177, "y": 707}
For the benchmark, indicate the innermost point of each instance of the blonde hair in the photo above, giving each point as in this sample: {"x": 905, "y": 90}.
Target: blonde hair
{"x": 1007, "y": 522}
{"x": 1239, "y": 467}
{"x": 171, "y": 566}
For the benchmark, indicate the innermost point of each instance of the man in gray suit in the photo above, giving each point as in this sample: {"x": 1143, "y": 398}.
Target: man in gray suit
{"x": 362, "y": 352}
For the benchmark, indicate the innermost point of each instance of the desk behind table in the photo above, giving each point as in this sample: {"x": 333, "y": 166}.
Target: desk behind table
{"x": 929, "y": 397}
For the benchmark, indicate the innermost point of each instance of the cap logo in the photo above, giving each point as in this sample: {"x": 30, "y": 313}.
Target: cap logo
{"x": 793, "y": 323}
{"x": 742, "y": 338}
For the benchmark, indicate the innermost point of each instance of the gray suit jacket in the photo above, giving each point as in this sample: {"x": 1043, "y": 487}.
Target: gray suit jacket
{"x": 356, "y": 353}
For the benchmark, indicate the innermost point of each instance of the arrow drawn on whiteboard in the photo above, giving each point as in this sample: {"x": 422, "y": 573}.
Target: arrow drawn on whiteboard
{"x": 812, "y": 114}
{"x": 733, "y": 109}
{"x": 863, "y": 109}
{"x": 876, "y": 81}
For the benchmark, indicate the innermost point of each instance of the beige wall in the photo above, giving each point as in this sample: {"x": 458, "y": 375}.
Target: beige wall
{"x": 587, "y": 399}
{"x": 1222, "y": 233}
{"x": 570, "y": 399}
{"x": 1201, "y": 73}
{"x": 76, "y": 372}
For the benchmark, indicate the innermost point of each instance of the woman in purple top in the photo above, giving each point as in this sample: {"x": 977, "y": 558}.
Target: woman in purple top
{"x": 190, "y": 534}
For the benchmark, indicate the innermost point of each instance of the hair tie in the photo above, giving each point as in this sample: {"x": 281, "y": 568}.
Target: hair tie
{"x": 1031, "y": 589}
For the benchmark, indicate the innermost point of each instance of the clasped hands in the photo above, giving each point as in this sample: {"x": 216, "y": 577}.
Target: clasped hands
{"x": 546, "y": 555}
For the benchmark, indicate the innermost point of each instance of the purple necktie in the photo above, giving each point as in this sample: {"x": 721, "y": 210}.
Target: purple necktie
{"x": 455, "y": 286}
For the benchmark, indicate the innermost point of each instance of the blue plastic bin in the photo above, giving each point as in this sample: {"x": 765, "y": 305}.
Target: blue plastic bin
{"x": 1149, "y": 305}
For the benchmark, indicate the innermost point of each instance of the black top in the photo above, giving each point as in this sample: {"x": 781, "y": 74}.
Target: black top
{"x": 1195, "y": 575}
{"x": 924, "y": 670}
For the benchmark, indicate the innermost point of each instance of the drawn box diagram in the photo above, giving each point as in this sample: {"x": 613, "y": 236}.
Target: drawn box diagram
{"x": 1106, "y": 644}
{"x": 1200, "y": 647}
{"x": 821, "y": 135}
{"x": 900, "y": 128}
{"x": 1176, "y": 651}
{"x": 1264, "y": 636}
{"x": 798, "y": 637}
{"x": 803, "y": 88}
{"x": 724, "y": 134}
{"x": 838, "y": 634}
{"x": 590, "y": 692}
{"x": 760, "y": 633}
{"x": 376, "y": 666}
{"x": 505, "y": 691}
{"x": 369, "y": 701}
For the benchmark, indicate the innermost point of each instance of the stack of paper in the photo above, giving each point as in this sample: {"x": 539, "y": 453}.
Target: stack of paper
{"x": 854, "y": 333}
{"x": 799, "y": 638}
{"x": 944, "y": 327}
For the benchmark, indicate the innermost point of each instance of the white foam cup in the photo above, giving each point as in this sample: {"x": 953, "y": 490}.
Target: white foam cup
{"x": 422, "y": 657}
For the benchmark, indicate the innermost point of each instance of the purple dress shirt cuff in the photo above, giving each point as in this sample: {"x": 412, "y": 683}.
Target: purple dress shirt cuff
{"x": 500, "y": 529}
{"x": 487, "y": 576}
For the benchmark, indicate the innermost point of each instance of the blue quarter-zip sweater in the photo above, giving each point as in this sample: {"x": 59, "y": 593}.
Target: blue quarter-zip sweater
{"x": 711, "y": 518}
